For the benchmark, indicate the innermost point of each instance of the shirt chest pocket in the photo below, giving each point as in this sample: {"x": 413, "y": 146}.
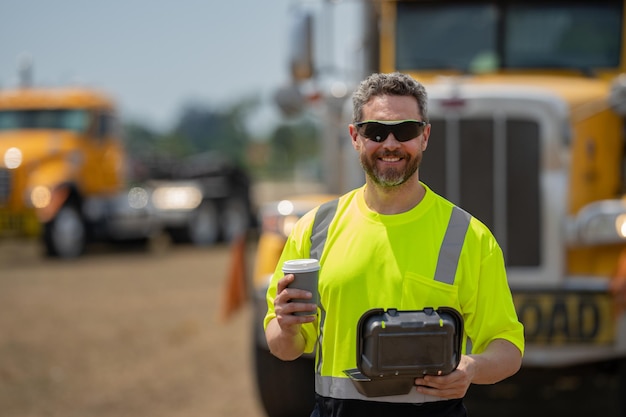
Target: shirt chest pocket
{"x": 419, "y": 292}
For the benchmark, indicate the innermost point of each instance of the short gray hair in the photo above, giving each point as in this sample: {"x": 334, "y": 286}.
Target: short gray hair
{"x": 393, "y": 84}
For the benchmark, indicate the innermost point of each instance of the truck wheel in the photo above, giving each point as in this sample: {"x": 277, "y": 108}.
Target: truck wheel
{"x": 286, "y": 389}
{"x": 203, "y": 228}
{"x": 65, "y": 236}
{"x": 235, "y": 219}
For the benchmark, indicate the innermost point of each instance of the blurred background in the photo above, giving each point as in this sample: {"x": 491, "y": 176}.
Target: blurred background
{"x": 124, "y": 330}
{"x": 185, "y": 78}
{"x": 155, "y": 156}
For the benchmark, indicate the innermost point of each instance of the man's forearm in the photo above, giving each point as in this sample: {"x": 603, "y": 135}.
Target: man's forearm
{"x": 284, "y": 345}
{"x": 499, "y": 361}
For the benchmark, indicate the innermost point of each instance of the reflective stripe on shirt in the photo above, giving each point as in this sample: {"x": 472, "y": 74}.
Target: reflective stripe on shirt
{"x": 323, "y": 217}
{"x": 451, "y": 246}
{"x": 333, "y": 387}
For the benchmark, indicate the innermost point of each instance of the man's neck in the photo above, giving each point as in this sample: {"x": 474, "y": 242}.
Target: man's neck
{"x": 394, "y": 200}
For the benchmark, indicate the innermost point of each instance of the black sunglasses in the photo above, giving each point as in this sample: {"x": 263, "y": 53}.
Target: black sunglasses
{"x": 378, "y": 130}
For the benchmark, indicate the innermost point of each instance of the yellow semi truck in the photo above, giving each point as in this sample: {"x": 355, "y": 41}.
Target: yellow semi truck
{"x": 63, "y": 177}
{"x": 527, "y": 104}
{"x": 62, "y": 172}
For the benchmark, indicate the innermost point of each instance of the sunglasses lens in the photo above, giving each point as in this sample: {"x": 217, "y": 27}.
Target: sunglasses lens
{"x": 406, "y": 131}
{"x": 377, "y": 132}
{"x": 403, "y": 132}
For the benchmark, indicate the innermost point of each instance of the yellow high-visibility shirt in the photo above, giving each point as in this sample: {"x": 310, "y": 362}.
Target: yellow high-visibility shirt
{"x": 372, "y": 260}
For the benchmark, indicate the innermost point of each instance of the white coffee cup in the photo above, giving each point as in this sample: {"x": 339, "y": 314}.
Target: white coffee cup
{"x": 306, "y": 273}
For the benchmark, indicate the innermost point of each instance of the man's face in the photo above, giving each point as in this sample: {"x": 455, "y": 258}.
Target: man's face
{"x": 390, "y": 163}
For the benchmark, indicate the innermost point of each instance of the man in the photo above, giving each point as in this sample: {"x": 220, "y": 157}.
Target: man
{"x": 382, "y": 251}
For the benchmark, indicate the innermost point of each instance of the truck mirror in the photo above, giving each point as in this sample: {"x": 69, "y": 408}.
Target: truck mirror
{"x": 289, "y": 100}
{"x": 301, "y": 47}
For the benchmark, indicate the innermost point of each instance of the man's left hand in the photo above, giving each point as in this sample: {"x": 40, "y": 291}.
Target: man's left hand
{"x": 453, "y": 385}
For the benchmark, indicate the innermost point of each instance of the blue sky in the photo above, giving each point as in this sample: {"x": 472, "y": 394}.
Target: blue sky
{"x": 152, "y": 56}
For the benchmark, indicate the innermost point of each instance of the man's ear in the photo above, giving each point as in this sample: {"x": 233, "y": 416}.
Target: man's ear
{"x": 354, "y": 135}
{"x": 426, "y": 135}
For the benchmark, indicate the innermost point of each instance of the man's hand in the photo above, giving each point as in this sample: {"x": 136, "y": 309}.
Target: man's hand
{"x": 283, "y": 332}
{"x": 285, "y": 309}
{"x": 453, "y": 385}
{"x": 500, "y": 360}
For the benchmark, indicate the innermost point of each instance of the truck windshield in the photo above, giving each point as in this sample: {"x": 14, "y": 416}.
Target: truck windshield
{"x": 490, "y": 35}
{"x": 63, "y": 119}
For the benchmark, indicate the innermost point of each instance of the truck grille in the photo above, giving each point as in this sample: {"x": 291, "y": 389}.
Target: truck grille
{"x": 491, "y": 169}
{"x": 5, "y": 185}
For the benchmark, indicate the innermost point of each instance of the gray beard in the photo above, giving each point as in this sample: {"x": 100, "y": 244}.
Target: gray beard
{"x": 389, "y": 178}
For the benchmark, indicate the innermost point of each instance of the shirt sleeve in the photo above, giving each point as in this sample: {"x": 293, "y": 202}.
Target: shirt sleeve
{"x": 491, "y": 312}
{"x": 298, "y": 246}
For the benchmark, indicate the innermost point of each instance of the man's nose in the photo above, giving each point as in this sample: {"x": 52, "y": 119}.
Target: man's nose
{"x": 391, "y": 141}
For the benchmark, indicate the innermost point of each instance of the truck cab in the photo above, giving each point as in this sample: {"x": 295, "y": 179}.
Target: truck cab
{"x": 62, "y": 172}
{"x": 527, "y": 106}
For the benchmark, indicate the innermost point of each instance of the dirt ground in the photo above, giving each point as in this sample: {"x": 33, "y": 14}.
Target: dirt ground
{"x": 122, "y": 333}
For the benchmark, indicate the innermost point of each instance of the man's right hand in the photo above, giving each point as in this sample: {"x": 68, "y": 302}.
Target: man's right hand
{"x": 285, "y": 308}
{"x": 283, "y": 332}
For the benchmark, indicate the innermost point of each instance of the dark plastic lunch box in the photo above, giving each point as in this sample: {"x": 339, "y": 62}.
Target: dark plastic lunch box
{"x": 394, "y": 347}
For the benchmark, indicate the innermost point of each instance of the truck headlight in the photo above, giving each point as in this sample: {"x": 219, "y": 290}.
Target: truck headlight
{"x": 137, "y": 198}
{"x": 620, "y": 225}
{"x": 176, "y": 197}
{"x": 40, "y": 196}
{"x": 13, "y": 158}
{"x": 602, "y": 222}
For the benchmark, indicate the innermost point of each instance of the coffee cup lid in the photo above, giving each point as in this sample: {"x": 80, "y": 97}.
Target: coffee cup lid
{"x": 301, "y": 265}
